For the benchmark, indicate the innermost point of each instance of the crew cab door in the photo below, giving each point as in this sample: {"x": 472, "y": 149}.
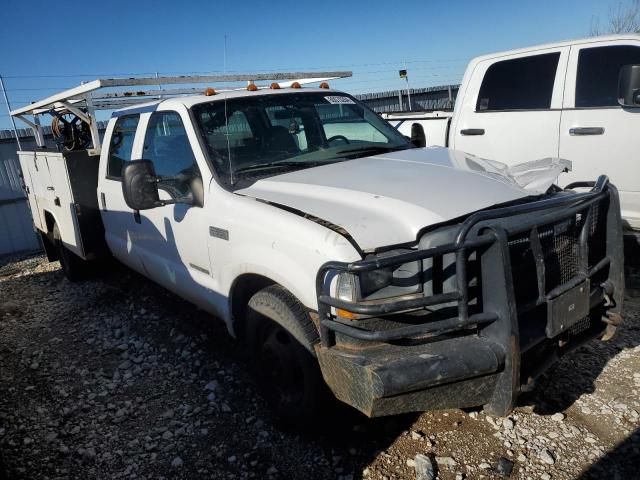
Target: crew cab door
{"x": 174, "y": 238}
{"x": 510, "y": 110}
{"x": 596, "y": 133}
{"x": 120, "y": 226}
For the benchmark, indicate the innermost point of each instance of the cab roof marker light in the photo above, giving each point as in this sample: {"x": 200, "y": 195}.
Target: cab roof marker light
{"x": 296, "y": 85}
{"x": 252, "y": 87}
{"x": 324, "y": 85}
{"x": 275, "y": 86}
{"x": 209, "y": 92}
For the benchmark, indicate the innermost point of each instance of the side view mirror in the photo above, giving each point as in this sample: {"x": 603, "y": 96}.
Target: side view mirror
{"x": 418, "y": 138}
{"x": 629, "y": 86}
{"x": 140, "y": 185}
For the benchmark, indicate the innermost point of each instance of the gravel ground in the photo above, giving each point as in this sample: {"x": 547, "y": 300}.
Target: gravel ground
{"x": 117, "y": 378}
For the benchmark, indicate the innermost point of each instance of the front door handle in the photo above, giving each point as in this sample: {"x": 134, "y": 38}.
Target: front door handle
{"x": 578, "y": 131}
{"x": 472, "y": 131}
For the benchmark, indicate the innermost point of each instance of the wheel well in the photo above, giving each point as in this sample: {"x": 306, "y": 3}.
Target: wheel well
{"x": 50, "y": 221}
{"x": 244, "y": 287}
{"x": 47, "y": 238}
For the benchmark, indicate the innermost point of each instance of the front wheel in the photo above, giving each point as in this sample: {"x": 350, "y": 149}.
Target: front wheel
{"x": 280, "y": 337}
{"x": 74, "y": 267}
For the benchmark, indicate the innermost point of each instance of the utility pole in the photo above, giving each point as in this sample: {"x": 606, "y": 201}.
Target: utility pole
{"x": 13, "y": 122}
{"x": 403, "y": 74}
{"x": 159, "y": 84}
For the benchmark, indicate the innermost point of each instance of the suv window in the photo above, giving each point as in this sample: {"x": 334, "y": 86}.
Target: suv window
{"x": 598, "y": 70}
{"x": 167, "y": 146}
{"x": 121, "y": 144}
{"x": 519, "y": 84}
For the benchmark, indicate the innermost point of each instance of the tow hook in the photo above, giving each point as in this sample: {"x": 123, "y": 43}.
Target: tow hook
{"x": 612, "y": 320}
{"x": 607, "y": 291}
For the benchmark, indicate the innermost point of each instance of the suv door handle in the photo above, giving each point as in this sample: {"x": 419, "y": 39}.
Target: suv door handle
{"x": 472, "y": 131}
{"x": 586, "y": 131}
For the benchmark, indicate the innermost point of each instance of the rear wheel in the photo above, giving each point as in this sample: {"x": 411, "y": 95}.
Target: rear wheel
{"x": 74, "y": 267}
{"x": 280, "y": 337}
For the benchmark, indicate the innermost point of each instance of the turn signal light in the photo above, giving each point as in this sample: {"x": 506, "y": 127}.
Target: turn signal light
{"x": 346, "y": 314}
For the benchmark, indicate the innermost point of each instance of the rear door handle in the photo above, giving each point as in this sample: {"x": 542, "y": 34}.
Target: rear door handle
{"x": 472, "y": 131}
{"x": 577, "y": 131}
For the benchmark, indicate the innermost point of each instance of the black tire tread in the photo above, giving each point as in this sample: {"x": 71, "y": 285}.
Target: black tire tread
{"x": 278, "y": 298}
{"x": 281, "y": 306}
{"x": 77, "y": 267}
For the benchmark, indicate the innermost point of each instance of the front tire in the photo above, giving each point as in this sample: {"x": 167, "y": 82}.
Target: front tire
{"x": 74, "y": 267}
{"x": 281, "y": 338}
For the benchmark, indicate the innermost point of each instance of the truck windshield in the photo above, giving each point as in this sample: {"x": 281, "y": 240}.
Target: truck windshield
{"x": 264, "y": 135}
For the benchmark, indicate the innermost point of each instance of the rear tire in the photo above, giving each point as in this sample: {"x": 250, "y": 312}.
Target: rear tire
{"x": 74, "y": 267}
{"x": 280, "y": 338}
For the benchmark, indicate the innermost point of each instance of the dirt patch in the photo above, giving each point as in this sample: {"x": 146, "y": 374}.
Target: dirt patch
{"x": 117, "y": 378}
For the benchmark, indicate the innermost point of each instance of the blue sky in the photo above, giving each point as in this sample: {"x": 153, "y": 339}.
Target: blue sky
{"x": 43, "y": 53}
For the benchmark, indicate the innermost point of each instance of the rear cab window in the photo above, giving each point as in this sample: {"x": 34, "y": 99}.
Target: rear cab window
{"x": 598, "y": 71}
{"x": 519, "y": 84}
{"x": 121, "y": 145}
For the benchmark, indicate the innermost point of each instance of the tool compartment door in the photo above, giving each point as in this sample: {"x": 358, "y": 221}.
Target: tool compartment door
{"x": 31, "y": 184}
{"x": 61, "y": 204}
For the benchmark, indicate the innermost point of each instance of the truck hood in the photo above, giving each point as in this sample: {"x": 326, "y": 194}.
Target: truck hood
{"x": 387, "y": 199}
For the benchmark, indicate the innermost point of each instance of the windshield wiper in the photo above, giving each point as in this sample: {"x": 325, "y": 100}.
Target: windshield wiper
{"x": 369, "y": 150}
{"x": 282, "y": 164}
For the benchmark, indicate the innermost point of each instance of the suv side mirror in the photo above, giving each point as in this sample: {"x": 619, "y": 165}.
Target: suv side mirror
{"x": 629, "y": 86}
{"x": 140, "y": 185}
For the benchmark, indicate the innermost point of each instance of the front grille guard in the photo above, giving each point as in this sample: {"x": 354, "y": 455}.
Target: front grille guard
{"x": 494, "y": 237}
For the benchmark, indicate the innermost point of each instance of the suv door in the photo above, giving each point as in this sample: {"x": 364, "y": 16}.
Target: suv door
{"x": 596, "y": 133}
{"x": 511, "y": 108}
{"x": 174, "y": 237}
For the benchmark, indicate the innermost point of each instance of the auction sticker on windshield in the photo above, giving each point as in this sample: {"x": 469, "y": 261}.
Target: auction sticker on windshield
{"x": 337, "y": 100}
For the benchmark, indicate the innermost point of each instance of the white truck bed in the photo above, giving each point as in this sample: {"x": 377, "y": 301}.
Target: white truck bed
{"x": 435, "y": 124}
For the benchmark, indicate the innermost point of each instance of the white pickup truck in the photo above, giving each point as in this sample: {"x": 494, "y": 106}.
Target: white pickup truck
{"x": 577, "y": 100}
{"x": 403, "y": 278}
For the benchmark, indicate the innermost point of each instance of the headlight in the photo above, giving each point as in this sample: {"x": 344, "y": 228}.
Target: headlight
{"x": 346, "y": 288}
{"x": 381, "y": 283}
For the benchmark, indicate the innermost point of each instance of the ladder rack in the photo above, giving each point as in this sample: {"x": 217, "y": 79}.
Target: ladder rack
{"x": 84, "y": 100}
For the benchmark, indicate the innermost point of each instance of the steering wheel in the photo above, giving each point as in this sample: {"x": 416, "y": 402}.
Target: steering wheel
{"x": 338, "y": 137}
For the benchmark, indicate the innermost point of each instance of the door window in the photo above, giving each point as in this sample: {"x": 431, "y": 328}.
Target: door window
{"x": 598, "y": 70}
{"x": 519, "y": 84}
{"x": 121, "y": 144}
{"x": 167, "y": 146}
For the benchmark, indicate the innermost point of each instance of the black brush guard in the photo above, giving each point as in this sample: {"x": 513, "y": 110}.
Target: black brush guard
{"x": 477, "y": 356}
